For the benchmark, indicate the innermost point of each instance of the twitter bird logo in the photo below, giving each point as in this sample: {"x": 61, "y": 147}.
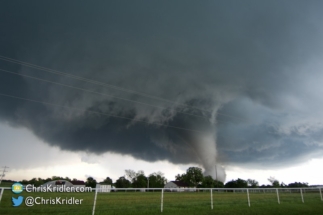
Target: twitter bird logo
{"x": 18, "y": 201}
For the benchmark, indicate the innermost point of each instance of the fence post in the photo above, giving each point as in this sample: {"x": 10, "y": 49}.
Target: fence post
{"x": 302, "y": 195}
{"x": 2, "y": 189}
{"x": 96, "y": 192}
{"x": 277, "y": 196}
{"x": 319, "y": 188}
{"x": 248, "y": 197}
{"x": 211, "y": 199}
{"x": 162, "y": 201}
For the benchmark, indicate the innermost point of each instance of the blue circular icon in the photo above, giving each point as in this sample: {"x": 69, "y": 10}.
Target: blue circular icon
{"x": 17, "y": 188}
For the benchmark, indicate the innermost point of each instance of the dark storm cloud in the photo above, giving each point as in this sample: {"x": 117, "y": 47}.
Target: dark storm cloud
{"x": 257, "y": 61}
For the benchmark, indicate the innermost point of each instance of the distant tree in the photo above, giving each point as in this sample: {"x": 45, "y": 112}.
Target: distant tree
{"x": 208, "y": 182}
{"x": 122, "y": 182}
{"x": 140, "y": 181}
{"x": 130, "y": 174}
{"x": 140, "y": 172}
{"x": 219, "y": 184}
{"x": 242, "y": 183}
{"x": 54, "y": 178}
{"x": 33, "y": 181}
{"x": 194, "y": 176}
{"x": 39, "y": 182}
{"x": 265, "y": 186}
{"x": 274, "y": 182}
{"x": 231, "y": 184}
{"x": 25, "y": 182}
{"x": 67, "y": 178}
{"x": 137, "y": 179}
{"x": 239, "y": 183}
{"x": 90, "y": 182}
{"x": 179, "y": 177}
{"x": 108, "y": 180}
{"x": 283, "y": 184}
{"x": 157, "y": 180}
{"x": 252, "y": 183}
{"x": 298, "y": 184}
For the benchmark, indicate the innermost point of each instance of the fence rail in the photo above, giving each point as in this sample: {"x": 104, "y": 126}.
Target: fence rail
{"x": 200, "y": 189}
{"x": 249, "y": 193}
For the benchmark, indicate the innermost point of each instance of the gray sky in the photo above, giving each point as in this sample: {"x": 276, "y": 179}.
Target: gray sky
{"x": 251, "y": 69}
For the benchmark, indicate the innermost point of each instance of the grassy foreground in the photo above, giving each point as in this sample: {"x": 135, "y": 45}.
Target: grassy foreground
{"x": 184, "y": 203}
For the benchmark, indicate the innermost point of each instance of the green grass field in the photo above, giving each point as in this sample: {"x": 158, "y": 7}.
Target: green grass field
{"x": 174, "y": 203}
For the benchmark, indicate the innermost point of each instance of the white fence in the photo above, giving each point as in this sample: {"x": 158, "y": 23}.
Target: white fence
{"x": 212, "y": 191}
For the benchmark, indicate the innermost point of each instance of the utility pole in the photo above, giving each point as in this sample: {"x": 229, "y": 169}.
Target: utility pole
{"x": 148, "y": 179}
{"x": 2, "y": 174}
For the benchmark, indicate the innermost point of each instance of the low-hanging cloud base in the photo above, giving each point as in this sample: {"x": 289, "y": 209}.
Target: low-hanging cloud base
{"x": 252, "y": 70}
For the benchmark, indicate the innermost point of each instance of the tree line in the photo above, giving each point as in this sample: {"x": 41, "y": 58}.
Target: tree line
{"x": 133, "y": 179}
{"x": 193, "y": 177}
{"x": 251, "y": 183}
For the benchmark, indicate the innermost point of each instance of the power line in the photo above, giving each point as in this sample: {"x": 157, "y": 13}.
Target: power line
{"x": 105, "y": 84}
{"x": 94, "y": 92}
{"x": 95, "y": 112}
{"x": 93, "y": 81}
